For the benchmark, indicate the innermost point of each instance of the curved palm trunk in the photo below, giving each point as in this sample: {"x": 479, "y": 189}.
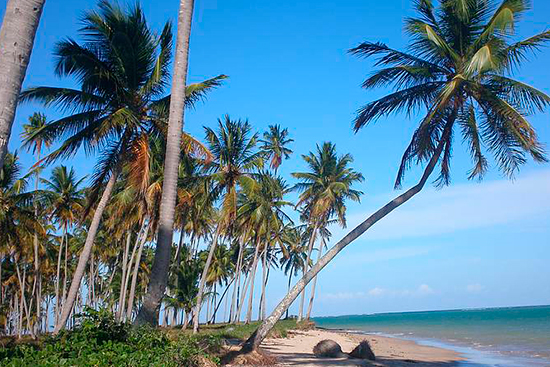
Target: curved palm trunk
{"x": 260, "y": 334}
{"x": 252, "y": 281}
{"x": 85, "y": 255}
{"x": 159, "y": 272}
{"x": 306, "y": 267}
{"x": 135, "y": 272}
{"x": 314, "y": 285}
{"x": 202, "y": 284}
{"x": 16, "y": 41}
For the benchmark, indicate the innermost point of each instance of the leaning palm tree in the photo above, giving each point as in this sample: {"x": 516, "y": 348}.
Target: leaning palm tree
{"x": 161, "y": 264}
{"x": 235, "y": 156}
{"x": 16, "y": 41}
{"x": 325, "y": 187}
{"x": 458, "y": 69}
{"x": 274, "y": 145}
{"x": 120, "y": 102}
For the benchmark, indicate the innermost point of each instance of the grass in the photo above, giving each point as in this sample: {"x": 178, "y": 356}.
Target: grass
{"x": 243, "y": 331}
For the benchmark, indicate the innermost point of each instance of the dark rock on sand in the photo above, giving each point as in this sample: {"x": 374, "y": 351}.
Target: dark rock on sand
{"x": 328, "y": 348}
{"x": 363, "y": 351}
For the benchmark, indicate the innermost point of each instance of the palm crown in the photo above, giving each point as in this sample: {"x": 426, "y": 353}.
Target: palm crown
{"x": 123, "y": 71}
{"x": 457, "y": 68}
{"x": 327, "y": 185}
{"x": 274, "y": 145}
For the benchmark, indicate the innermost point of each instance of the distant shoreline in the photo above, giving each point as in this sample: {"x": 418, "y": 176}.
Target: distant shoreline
{"x": 432, "y": 311}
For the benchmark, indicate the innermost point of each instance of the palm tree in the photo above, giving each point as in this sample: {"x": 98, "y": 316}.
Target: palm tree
{"x": 64, "y": 197}
{"x": 325, "y": 188}
{"x": 234, "y": 158}
{"x": 16, "y": 41}
{"x": 35, "y": 142}
{"x": 18, "y": 226}
{"x": 296, "y": 255}
{"x": 274, "y": 145}
{"x": 119, "y": 104}
{"x": 261, "y": 209}
{"x": 458, "y": 68}
{"x": 161, "y": 264}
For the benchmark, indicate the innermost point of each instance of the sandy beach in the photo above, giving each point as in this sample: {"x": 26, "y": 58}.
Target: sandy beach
{"x": 297, "y": 350}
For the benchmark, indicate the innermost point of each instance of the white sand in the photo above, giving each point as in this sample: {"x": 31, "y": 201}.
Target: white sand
{"x": 297, "y": 350}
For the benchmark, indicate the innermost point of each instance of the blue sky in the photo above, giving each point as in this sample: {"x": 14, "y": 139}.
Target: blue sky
{"x": 468, "y": 245}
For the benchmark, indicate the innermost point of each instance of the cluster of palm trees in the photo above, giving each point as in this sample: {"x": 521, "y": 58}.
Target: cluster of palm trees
{"x": 68, "y": 246}
{"x": 227, "y": 203}
{"x": 64, "y": 247}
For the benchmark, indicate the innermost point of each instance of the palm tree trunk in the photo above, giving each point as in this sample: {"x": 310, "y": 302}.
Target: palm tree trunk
{"x": 288, "y": 290}
{"x": 306, "y": 267}
{"x": 314, "y": 285}
{"x": 85, "y": 254}
{"x": 131, "y": 260}
{"x": 24, "y": 308}
{"x": 247, "y": 280}
{"x": 159, "y": 272}
{"x": 259, "y": 335}
{"x": 252, "y": 280}
{"x": 202, "y": 283}
{"x": 16, "y": 41}
{"x": 37, "y": 286}
{"x": 221, "y": 299}
{"x": 237, "y": 282}
{"x": 261, "y": 314}
{"x": 65, "y": 280}
{"x": 135, "y": 273}
{"x": 58, "y": 278}
{"x": 121, "y": 296}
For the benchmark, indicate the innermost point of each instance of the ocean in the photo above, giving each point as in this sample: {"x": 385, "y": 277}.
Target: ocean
{"x": 491, "y": 337}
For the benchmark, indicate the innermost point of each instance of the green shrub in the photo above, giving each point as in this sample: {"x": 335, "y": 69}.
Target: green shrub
{"x": 99, "y": 341}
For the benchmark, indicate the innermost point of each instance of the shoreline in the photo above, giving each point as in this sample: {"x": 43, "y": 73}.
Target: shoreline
{"x": 297, "y": 350}
{"x": 470, "y": 356}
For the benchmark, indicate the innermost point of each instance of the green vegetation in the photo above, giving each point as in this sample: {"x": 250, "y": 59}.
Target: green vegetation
{"x": 99, "y": 340}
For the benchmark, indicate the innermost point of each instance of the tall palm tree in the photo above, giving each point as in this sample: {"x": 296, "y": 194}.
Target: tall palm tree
{"x": 35, "y": 142}
{"x": 274, "y": 145}
{"x": 262, "y": 209}
{"x": 120, "y": 101}
{"x": 16, "y": 42}
{"x": 64, "y": 197}
{"x": 296, "y": 255}
{"x": 325, "y": 187}
{"x": 234, "y": 158}
{"x": 458, "y": 68}
{"x": 161, "y": 264}
{"x": 18, "y": 225}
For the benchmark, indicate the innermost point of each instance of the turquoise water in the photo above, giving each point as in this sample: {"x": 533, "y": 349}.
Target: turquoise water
{"x": 513, "y": 336}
